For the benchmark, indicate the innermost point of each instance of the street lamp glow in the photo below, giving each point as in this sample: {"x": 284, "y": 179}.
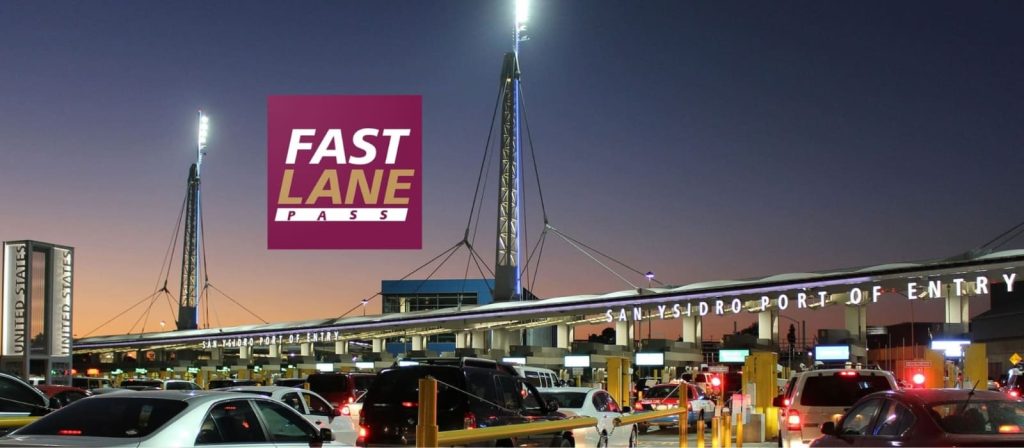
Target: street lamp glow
{"x": 204, "y": 129}
{"x": 522, "y": 11}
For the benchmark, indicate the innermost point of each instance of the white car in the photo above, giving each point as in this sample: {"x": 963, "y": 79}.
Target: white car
{"x": 171, "y": 419}
{"x": 350, "y": 413}
{"x": 312, "y": 406}
{"x": 590, "y": 402}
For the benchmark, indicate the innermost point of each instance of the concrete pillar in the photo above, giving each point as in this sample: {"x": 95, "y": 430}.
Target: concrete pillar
{"x": 768, "y": 325}
{"x": 856, "y": 318}
{"x": 244, "y": 352}
{"x": 341, "y": 348}
{"x": 378, "y": 345}
{"x": 461, "y": 339}
{"x": 216, "y": 353}
{"x": 478, "y": 340}
{"x": 418, "y": 342}
{"x": 562, "y": 333}
{"x": 957, "y": 310}
{"x": 691, "y": 330}
{"x": 306, "y": 349}
{"x": 274, "y": 352}
{"x": 622, "y": 333}
{"x": 500, "y": 340}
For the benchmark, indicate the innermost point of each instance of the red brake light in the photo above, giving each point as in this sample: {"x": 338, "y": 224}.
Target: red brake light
{"x": 639, "y": 406}
{"x": 409, "y": 404}
{"x": 351, "y": 399}
{"x": 918, "y": 378}
{"x": 1009, "y": 429}
{"x": 469, "y": 420}
{"x": 363, "y": 432}
{"x": 716, "y": 381}
{"x": 1015, "y": 393}
{"x": 793, "y": 420}
{"x": 848, "y": 373}
{"x": 786, "y": 402}
{"x": 345, "y": 411}
{"x": 69, "y": 432}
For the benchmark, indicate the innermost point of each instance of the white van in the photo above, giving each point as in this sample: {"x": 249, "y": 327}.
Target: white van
{"x": 538, "y": 377}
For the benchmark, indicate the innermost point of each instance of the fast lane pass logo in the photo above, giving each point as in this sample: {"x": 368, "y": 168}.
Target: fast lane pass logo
{"x": 344, "y": 172}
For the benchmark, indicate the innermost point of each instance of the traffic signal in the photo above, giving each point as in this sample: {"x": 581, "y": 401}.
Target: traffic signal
{"x": 716, "y": 381}
{"x": 918, "y": 380}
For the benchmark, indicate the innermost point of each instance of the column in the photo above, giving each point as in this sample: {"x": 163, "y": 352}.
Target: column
{"x": 462, "y": 339}
{"x": 244, "y": 352}
{"x": 378, "y": 345}
{"x": 768, "y": 325}
{"x": 341, "y": 347}
{"x": 417, "y": 342}
{"x": 274, "y": 352}
{"x": 957, "y": 310}
{"x": 562, "y": 336}
{"x": 478, "y": 340}
{"x": 856, "y": 318}
{"x": 306, "y": 348}
{"x": 691, "y": 330}
{"x": 622, "y": 333}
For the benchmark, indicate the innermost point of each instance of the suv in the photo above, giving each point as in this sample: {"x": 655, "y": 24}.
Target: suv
{"x": 815, "y": 397}
{"x": 339, "y": 388}
{"x": 469, "y": 395}
{"x": 156, "y": 384}
{"x": 85, "y": 382}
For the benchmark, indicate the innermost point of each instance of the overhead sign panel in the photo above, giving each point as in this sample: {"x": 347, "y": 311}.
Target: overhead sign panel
{"x": 733, "y": 355}
{"x": 832, "y": 353}
{"x": 577, "y": 361}
{"x": 650, "y": 359}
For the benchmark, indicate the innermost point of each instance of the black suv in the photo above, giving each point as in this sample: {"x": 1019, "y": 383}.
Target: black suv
{"x": 471, "y": 393}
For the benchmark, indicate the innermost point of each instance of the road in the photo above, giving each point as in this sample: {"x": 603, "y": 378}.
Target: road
{"x": 670, "y": 437}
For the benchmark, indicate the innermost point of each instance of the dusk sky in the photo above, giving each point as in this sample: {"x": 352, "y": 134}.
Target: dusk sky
{"x": 701, "y": 141}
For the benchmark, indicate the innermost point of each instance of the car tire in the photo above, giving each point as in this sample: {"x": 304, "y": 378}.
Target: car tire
{"x": 602, "y": 442}
{"x": 633, "y": 436}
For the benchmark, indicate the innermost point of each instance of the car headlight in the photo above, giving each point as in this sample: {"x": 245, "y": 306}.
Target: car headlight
{"x": 661, "y": 407}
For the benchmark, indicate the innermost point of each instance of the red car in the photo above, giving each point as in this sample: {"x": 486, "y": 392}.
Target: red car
{"x": 928, "y": 417}
{"x": 61, "y": 396}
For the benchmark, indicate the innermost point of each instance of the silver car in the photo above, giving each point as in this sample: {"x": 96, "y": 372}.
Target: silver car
{"x": 172, "y": 419}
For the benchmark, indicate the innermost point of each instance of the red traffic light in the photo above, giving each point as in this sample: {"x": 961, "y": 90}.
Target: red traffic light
{"x": 716, "y": 381}
{"x": 918, "y": 379}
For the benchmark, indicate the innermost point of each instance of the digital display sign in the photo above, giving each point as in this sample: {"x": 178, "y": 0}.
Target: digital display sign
{"x": 514, "y": 360}
{"x": 952, "y": 349}
{"x": 577, "y": 361}
{"x": 733, "y": 355}
{"x": 650, "y": 359}
{"x": 832, "y": 353}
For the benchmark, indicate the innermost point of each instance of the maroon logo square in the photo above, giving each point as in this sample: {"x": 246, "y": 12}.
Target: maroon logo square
{"x": 344, "y": 172}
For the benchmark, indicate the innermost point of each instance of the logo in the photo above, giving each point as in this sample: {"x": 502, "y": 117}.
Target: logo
{"x": 344, "y": 172}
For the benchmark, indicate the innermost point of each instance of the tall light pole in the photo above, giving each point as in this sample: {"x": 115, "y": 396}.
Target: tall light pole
{"x": 188, "y": 305}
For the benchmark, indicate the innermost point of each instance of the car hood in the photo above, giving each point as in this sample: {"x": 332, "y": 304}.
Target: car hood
{"x": 69, "y": 441}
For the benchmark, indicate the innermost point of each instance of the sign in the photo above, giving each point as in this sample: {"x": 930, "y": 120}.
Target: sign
{"x": 733, "y": 355}
{"x": 15, "y": 323}
{"x": 919, "y": 363}
{"x": 344, "y": 172}
{"x": 952, "y": 349}
{"x": 61, "y": 267}
{"x": 1015, "y": 358}
{"x": 367, "y": 365}
{"x": 324, "y": 367}
{"x": 514, "y": 360}
{"x": 650, "y": 359}
{"x": 718, "y": 369}
{"x": 832, "y": 353}
{"x": 576, "y": 361}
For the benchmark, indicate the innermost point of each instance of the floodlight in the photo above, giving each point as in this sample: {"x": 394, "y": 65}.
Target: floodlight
{"x": 522, "y": 11}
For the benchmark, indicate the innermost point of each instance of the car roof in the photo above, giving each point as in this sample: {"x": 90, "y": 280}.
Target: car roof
{"x": 566, "y": 389}
{"x": 57, "y": 388}
{"x": 196, "y": 396}
{"x": 270, "y": 389}
{"x": 928, "y": 396}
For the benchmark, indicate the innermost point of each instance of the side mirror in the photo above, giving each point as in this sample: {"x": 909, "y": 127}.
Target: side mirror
{"x": 552, "y": 405}
{"x": 777, "y": 401}
{"x": 626, "y": 410}
{"x": 828, "y": 428}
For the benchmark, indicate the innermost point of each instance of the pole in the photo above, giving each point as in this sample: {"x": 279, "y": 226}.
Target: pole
{"x": 716, "y": 434}
{"x": 739, "y": 429}
{"x": 684, "y": 417}
{"x": 426, "y": 429}
{"x": 727, "y": 430}
{"x": 700, "y": 431}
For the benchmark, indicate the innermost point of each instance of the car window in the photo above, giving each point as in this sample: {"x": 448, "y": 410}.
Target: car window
{"x": 858, "y": 420}
{"x": 600, "y": 404}
{"x": 293, "y": 401}
{"x": 980, "y": 417}
{"x": 840, "y": 390}
{"x": 108, "y": 417}
{"x": 569, "y": 400}
{"x": 230, "y": 422}
{"x": 896, "y": 420}
{"x": 509, "y": 392}
{"x": 531, "y": 398}
{"x": 18, "y": 397}
{"x": 316, "y": 405}
{"x": 668, "y": 391}
{"x": 284, "y": 425}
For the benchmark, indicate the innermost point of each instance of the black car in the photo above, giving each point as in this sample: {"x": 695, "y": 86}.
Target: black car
{"x": 474, "y": 394}
{"x": 339, "y": 388}
{"x": 928, "y": 417}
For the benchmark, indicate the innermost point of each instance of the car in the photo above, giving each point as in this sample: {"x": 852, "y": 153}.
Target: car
{"x": 538, "y": 376}
{"x": 1014, "y": 383}
{"x": 471, "y": 393}
{"x": 156, "y": 384}
{"x": 928, "y": 417}
{"x": 597, "y": 403}
{"x": 20, "y": 399}
{"x": 226, "y": 383}
{"x": 339, "y": 388}
{"x": 665, "y": 396}
{"x": 171, "y": 418}
{"x": 818, "y": 396}
{"x": 350, "y": 413}
{"x": 85, "y": 382}
{"x": 290, "y": 382}
{"x": 61, "y": 396}
{"x": 312, "y": 406}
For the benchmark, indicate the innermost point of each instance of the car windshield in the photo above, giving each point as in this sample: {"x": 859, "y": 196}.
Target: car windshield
{"x": 571, "y": 400}
{"x": 980, "y": 417}
{"x": 840, "y": 390}
{"x": 107, "y": 417}
{"x": 662, "y": 392}
{"x": 325, "y": 384}
{"x": 401, "y": 385}
{"x": 363, "y": 382}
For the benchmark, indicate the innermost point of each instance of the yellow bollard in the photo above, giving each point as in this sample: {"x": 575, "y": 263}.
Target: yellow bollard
{"x": 426, "y": 428}
{"x": 716, "y": 434}
{"x": 727, "y": 430}
{"x": 684, "y": 415}
{"x": 739, "y": 430}
{"x": 700, "y": 432}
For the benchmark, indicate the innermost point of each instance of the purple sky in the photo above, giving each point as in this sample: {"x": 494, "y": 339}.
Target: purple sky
{"x": 701, "y": 141}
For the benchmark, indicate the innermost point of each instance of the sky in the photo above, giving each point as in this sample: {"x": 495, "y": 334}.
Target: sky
{"x": 700, "y": 141}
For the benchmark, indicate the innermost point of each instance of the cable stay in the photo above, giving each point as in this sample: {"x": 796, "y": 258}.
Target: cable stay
{"x": 1000, "y": 240}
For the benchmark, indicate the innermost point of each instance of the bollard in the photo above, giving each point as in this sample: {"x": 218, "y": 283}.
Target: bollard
{"x": 683, "y": 430}
{"x": 700, "y": 432}
{"x": 739, "y": 430}
{"x": 716, "y": 434}
{"x": 684, "y": 417}
{"x": 426, "y": 428}
{"x": 727, "y": 430}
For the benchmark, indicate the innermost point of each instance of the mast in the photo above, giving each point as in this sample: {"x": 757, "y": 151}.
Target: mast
{"x": 188, "y": 305}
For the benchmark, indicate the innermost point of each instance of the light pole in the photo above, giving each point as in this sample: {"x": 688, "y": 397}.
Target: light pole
{"x": 650, "y": 322}
{"x": 803, "y": 330}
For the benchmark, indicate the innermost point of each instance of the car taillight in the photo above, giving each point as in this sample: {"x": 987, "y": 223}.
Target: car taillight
{"x": 409, "y": 404}
{"x": 469, "y": 420}
{"x": 363, "y": 432}
{"x": 793, "y": 420}
{"x": 1015, "y": 393}
{"x": 69, "y": 432}
{"x": 1009, "y": 429}
{"x": 351, "y": 399}
{"x": 345, "y": 411}
{"x": 785, "y": 402}
{"x": 639, "y": 406}
{"x": 848, "y": 373}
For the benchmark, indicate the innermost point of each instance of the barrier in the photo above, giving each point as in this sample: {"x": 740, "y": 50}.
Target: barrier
{"x": 11, "y": 423}
{"x": 700, "y": 433}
